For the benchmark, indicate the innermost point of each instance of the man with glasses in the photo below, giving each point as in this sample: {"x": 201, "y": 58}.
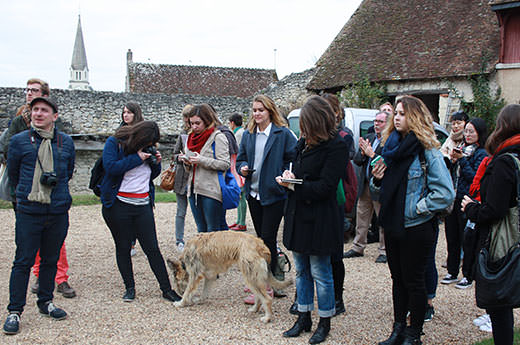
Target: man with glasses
{"x": 22, "y": 122}
{"x": 369, "y": 148}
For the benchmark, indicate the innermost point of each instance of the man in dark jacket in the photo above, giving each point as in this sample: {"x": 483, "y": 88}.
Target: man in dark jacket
{"x": 22, "y": 122}
{"x": 369, "y": 148}
{"x": 40, "y": 163}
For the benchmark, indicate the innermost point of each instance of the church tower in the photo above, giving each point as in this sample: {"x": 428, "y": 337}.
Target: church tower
{"x": 79, "y": 68}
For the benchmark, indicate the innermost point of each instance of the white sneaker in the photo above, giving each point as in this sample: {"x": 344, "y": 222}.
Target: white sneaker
{"x": 463, "y": 284}
{"x": 448, "y": 279}
{"x": 486, "y": 327}
{"x": 481, "y": 320}
{"x": 180, "y": 247}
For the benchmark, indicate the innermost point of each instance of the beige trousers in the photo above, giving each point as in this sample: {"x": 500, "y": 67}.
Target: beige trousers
{"x": 365, "y": 207}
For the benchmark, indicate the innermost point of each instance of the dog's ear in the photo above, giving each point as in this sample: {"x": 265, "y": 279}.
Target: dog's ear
{"x": 175, "y": 265}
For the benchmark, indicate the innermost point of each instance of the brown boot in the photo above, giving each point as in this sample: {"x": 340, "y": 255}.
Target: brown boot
{"x": 65, "y": 289}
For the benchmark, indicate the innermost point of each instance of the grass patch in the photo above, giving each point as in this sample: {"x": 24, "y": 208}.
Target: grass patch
{"x": 91, "y": 199}
{"x": 489, "y": 341}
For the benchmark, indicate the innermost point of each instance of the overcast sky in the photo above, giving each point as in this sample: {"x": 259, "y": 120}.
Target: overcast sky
{"x": 37, "y": 37}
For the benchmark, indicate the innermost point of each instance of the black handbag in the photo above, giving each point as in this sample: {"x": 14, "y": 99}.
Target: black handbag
{"x": 498, "y": 280}
{"x": 498, "y": 283}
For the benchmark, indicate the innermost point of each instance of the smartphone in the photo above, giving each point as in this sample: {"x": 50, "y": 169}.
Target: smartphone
{"x": 377, "y": 159}
{"x": 250, "y": 171}
{"x": 457, "y": 149}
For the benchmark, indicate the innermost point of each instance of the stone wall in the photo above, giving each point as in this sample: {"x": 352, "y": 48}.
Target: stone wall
{"x": 91, "y": 116}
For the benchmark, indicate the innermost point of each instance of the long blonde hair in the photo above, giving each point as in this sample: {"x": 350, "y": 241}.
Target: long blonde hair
{"x": 419, "y": 121}
{"x": 274, "y": 114}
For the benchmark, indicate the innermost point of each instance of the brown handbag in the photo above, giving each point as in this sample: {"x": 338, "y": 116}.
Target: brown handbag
{"x": 168, "y": 177}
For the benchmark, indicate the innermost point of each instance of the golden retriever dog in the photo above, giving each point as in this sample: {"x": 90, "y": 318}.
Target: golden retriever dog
{"x": 208, "y": 254}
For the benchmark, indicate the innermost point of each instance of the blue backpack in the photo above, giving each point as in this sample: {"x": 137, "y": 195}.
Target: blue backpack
{"x": 228, "y": 186}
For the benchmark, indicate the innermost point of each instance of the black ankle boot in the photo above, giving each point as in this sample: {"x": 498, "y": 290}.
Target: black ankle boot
{"x": 303, "y": 323}
{"x": 294, "y": 307}
{"x": 412, "y": 337}
{"x": 397, "y": 335}
{"x": 321, "y": 332}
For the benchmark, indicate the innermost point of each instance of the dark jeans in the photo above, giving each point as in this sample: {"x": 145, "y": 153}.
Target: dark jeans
{"x": 432, "y": 276}
{"x": 407, "y": 257}
{"x": 266, "y": 220}
{"x": 471, "y": 248}
{"x": 454, "y": 226}
{"x": 336, "y": 260}
{"x": 502, "y": 322}
{"x": 127, "y": 222}
{"x": 45, "y": 232}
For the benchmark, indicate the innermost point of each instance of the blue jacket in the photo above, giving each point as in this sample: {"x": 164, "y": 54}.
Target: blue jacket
{"x": 116, "y": 164}
{"x": 421, "y": 203}
{"x": 280, "y": 149}
{"x": 21, "y": 161}
{"x": 468, "y": 168}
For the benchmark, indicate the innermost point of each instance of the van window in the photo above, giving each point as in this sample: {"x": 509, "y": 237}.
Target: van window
{"x": 364, "y": 126}
{"x": 294, "y": 125}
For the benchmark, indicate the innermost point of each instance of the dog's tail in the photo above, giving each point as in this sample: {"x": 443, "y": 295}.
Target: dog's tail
{"x": 278, "y": 284}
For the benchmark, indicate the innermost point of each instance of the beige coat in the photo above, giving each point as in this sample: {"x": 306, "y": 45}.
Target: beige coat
{"x": 206, "y": 177}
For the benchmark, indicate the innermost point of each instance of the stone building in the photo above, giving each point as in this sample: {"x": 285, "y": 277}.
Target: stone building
{"x": 196, "y": 80}
{"x": 427, "y": 48}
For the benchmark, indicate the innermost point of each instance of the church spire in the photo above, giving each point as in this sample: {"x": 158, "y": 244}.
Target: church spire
{"x": 78, "y": 67}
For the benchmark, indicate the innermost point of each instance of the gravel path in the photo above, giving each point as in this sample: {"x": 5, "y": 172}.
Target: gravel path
{"x": 98, "y": 315}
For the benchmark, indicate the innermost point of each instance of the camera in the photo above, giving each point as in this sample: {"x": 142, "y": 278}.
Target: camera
{"x": 153, "y": 151}
{"x": 49, "y": 179}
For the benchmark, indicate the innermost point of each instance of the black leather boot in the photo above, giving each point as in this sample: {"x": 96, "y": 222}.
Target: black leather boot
{"x": 302, "y": 324}
{"x": 321, "y": 332}
{"x": 412, "y": 337}
{"x": 294, "y": 307}
{"x": 397, "y": 336}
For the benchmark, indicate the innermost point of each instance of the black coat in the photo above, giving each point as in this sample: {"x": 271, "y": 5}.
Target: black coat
{"x": 497, "y": 191}
{"x": 362, "y": 161}
{"x": 312, "y": 223}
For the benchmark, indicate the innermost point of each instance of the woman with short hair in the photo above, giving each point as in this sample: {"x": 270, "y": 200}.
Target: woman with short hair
{"x": 312, "y": 227}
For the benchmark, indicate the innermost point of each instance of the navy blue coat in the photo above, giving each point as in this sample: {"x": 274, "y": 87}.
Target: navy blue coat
{"x": 21, "y": 161}
{"x": 468, "y": 169}
{"x": 116, "y": 164}
{"x": 279, "y": 150}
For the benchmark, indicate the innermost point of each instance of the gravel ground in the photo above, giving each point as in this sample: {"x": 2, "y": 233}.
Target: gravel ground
{"x": 99, "y": 316}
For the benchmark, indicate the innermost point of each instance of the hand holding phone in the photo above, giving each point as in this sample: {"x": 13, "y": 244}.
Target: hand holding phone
{"x": 376, "y": 160}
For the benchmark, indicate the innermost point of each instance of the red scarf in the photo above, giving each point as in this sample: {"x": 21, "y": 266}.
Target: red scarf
{"x": 474, "y": 189}
{"x": 197, "y": 141}
{"x": 514, "y": 140}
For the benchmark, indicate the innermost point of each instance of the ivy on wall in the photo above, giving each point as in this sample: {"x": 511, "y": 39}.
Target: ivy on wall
{"x": 362, "y": 93}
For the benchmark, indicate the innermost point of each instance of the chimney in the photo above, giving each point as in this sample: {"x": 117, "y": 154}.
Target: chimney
{"x": 129, "y": 56}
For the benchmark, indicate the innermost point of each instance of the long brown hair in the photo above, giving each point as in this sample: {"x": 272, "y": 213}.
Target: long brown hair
{"x": 507, "y": 125}
{"x": 419, "y": 121}
{"x": 142, "y": 134}
{"x": 317, "y": 121}
{"x": 134, "y": 109}
{"x": 336, "y": 107}
{"x": 274, "y": 114}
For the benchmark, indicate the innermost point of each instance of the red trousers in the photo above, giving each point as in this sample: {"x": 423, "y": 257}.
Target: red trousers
{"x": 63, "y": 266}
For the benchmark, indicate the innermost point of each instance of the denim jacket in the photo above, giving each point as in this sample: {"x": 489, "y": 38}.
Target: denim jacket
{"x": 422, "y": 203}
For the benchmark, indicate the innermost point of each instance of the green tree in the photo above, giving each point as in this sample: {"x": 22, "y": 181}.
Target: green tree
{"x": 362, "y": 93}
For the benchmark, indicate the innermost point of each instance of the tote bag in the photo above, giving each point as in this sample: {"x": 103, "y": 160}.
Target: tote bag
{"x": 228, "y": 186}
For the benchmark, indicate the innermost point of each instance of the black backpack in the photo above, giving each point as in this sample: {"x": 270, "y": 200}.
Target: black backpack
{"x": 96, "y": 176}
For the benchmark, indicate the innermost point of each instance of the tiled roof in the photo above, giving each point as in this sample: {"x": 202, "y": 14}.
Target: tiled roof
{"x": 411, "y": 39}
{"x": 198, "y": 80}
